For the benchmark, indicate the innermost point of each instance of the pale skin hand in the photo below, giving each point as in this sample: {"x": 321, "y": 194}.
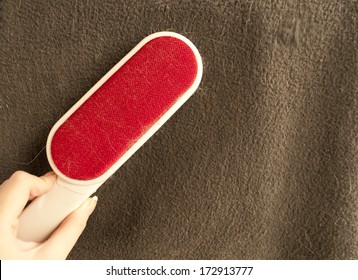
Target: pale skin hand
{"x": 14, "y": 194}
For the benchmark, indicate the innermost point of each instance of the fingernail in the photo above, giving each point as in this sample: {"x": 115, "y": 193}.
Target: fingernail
{"x": 93, "y": 203}
{"x": 89, "y": 203}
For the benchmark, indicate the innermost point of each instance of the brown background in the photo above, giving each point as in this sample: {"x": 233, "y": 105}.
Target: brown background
{"x": 261, "y": 163}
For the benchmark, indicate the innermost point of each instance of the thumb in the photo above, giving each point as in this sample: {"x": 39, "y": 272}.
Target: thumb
{"x": 61, "y": 242}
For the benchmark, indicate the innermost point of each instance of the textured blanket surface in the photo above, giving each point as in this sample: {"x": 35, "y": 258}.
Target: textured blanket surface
{"x": 261, "y": 163}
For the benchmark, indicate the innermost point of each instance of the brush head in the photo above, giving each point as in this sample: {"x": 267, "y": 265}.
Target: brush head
{"x": 122, "y": 111}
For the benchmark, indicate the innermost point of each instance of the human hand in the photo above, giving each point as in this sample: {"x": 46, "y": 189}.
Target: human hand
{"x": 14, "y": 194}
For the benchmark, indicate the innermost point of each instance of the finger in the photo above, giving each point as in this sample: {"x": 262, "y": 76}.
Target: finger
{"x": 19, "y": 188}
{"x": 61, "y": 242}
{"x": 50, "y": 179}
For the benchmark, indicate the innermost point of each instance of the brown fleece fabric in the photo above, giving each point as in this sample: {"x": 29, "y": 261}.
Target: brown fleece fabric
{"x": 261, "y": 163}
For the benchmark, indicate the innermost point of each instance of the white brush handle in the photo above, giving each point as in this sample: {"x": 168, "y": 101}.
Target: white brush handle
{"x": 45, "y": 213}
